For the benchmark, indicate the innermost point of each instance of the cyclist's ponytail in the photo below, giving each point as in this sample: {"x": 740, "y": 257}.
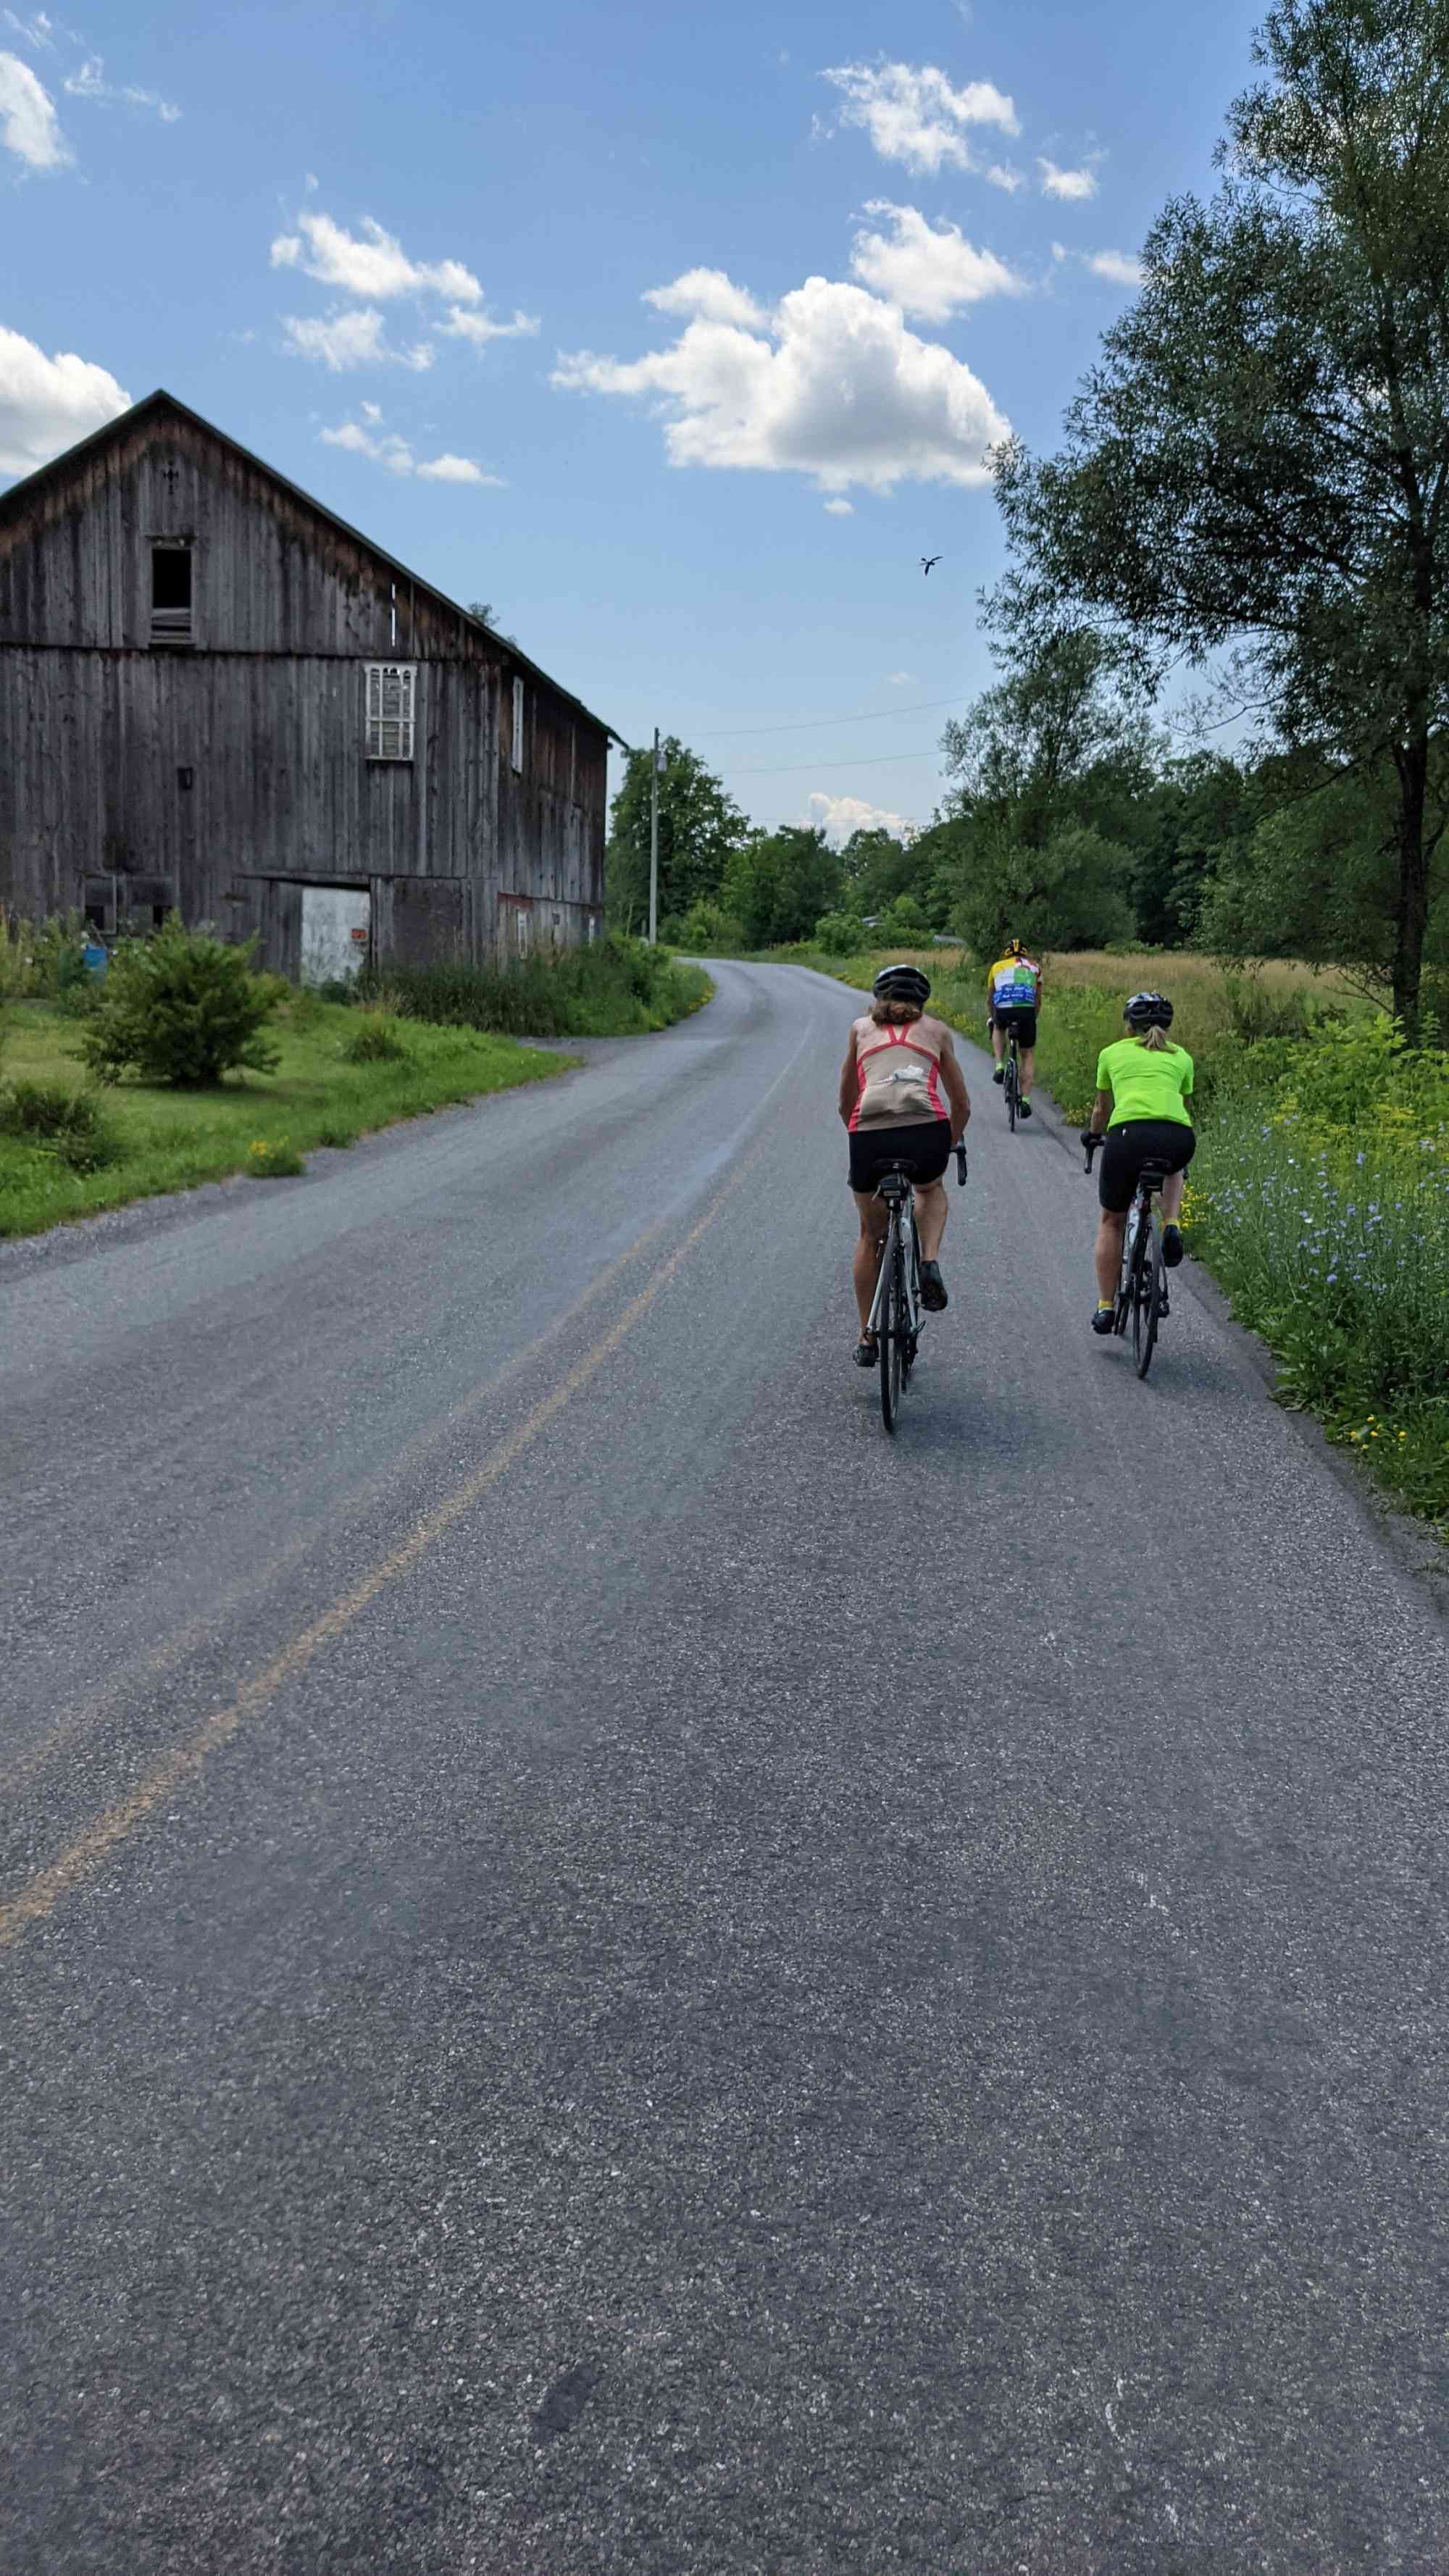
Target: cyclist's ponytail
{"x": 1155, "y": 1040}
{"x": 889, "y": 1012}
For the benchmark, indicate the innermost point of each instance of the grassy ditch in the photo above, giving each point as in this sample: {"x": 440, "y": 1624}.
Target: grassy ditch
{"x": 1319, "y": 1196}
{"x": 617, "y": 988}
{"x": 68, "y": 1150}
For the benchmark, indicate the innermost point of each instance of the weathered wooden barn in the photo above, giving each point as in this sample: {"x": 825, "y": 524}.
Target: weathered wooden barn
{"x": 216, "y": 695}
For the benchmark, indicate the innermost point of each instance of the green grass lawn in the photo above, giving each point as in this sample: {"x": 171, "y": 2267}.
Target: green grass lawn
{"x": 172, "y": 1140}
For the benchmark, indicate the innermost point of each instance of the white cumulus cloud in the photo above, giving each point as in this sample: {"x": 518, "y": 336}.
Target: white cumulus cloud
{"x": 834, "y": 386}
{"x": 368, "y": 437}
{"x": 46, "y": 404}
{"x": 1071, "y": 184}
{"x": 1118, "y": 267}
{"x": 706, "y": 295}
{"x": 345, "y": 340}
{"x": 91, "y": 82}
{"x": 29, "y": 126}
{"x": 916, "y": 115}
{"x": 373, "y": 264}
{"x": 839, "y": 509}
{"x": 927, "y": 269}
{"x": 838, "y": 816}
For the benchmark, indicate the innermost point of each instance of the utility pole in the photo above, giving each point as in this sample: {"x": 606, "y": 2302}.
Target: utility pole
{"x": 654, "y": 843}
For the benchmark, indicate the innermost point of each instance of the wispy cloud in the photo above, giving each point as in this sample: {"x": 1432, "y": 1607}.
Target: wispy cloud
{"x": 341, "y": 341}
{"x": 91, "y": 82}
{"x": 367, "y": 437}
{"x": 371, "y": 264}
{"x": 29, "y": 126}
{"x": 480, "y": 328}
{"x": 39, "y": 31}
{"x": 1118, "y": 267}
{"x": 914, "y": 114}
{"x": 902, "y": 680}
{"x": 838, "y": 509}
{"x": 1073, "y": 185}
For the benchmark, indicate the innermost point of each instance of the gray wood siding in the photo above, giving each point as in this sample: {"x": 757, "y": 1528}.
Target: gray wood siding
{"x": 265, "y": 709}
{"x": 92, "y": 746}
{"x": 270, "y": 573}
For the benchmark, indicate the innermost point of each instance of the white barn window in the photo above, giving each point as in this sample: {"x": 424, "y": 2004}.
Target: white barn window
{"x": 392, "y": 689}
{"x": 518, "y": 724}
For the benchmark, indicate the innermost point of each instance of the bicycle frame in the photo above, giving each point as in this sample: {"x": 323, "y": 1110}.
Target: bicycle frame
{"x": 1141, "y": 1297}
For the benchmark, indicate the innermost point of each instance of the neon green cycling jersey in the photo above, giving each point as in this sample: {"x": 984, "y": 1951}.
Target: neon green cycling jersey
{"x": 1146, "y": 1082}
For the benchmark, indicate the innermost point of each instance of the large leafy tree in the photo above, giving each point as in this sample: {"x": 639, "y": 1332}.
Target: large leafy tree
{"x": 1260, "y": 459}
{"x": 1047, "y": 769}
{"x": 700, "y": 826}
{"x": 779, "y": 883}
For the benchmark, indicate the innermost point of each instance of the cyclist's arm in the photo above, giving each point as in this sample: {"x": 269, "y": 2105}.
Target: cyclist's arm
{"x": 956, "y": 1091}
{"x": 849, "y": 1083}
{"x": 1101, "y": 1112}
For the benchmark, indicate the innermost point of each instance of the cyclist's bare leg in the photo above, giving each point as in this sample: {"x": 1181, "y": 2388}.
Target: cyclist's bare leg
{"x": 874, "y": 1220}
{"x": 1028, "y": 1070}
{"x": 932, "y": 1209}
{"x": 1109, "y": 1255}
{"x": 998, "y": 1042}
{"x": 1172, "y": 1190}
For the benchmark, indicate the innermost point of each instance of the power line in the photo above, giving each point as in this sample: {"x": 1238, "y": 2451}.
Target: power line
{"x": 805, "y": 724}
{"x": 878, "y": 760}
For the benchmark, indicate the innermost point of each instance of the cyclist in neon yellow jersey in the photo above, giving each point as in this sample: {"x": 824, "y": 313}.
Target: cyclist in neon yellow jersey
{"x": 1013, "y": 998}
{"x": 1144, "y": 1084}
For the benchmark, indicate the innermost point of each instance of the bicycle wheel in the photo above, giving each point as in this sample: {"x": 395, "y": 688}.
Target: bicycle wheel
{"x": 892, "y": 1327}
{"x": 1147, "y": 1297}
{"x": 1010, "y": 1087}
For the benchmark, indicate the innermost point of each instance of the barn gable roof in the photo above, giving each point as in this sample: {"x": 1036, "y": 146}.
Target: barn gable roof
{"x": 161, "y": 405}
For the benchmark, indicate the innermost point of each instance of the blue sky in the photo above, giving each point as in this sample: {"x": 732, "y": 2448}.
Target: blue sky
{"x": 403, "y": 253}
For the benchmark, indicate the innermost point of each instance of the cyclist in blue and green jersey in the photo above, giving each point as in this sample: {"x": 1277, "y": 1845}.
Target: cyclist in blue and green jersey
{"x": 1013, "y": 998}
{"x": 1144, "y": 1084}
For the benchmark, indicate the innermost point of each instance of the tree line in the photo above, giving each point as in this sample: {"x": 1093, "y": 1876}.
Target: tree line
{"x": 1253, "y": 484}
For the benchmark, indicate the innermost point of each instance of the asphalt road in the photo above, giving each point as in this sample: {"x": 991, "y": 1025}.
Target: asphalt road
{"x": 604, "y": 1971}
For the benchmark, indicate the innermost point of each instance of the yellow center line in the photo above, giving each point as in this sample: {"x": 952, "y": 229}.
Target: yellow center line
{"x": 165, "y": 1656}
{"x": 41, "y": 1894}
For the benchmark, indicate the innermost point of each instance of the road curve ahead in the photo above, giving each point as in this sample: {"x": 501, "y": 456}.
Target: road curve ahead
{"x": 607, "y": 1974}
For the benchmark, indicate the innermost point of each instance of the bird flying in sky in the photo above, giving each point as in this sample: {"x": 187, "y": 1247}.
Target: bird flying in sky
{"x": 927, "y": 561}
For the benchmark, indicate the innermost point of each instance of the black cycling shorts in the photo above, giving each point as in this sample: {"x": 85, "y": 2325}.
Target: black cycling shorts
{"x": 1020, "y": 1019}
{"x": 924, "y": 1147}
{"x": 1135, "y": 1142}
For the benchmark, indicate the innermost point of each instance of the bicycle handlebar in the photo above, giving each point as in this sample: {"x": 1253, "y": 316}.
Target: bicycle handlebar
{"x": 961, "y": 1165}
{"x": 1092, "y": 1142}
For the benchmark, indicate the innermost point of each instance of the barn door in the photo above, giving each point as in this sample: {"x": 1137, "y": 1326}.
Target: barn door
{"x": 336, "y": 926}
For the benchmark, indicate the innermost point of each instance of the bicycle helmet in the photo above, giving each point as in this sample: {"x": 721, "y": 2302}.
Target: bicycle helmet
{"x": 1014, "y": 948}
{"x": 1148, "y": 1011}
{"x": 902, "y": 984}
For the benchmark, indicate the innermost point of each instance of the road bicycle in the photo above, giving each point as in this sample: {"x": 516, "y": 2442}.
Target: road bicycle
{"x": 895, "y": 1314}
{"x": 1142, "y": 1287}
{"x": 1011, "y": 1081}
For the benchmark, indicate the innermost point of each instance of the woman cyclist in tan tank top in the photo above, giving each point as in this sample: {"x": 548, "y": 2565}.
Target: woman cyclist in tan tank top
{"x": 903, "y": 1099}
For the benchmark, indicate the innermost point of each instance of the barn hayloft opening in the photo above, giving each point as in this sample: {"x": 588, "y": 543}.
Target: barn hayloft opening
{"x": 170, "y": 594}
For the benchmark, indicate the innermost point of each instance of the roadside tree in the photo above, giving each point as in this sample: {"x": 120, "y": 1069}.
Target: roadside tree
{"x": 1259, "y": 461}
